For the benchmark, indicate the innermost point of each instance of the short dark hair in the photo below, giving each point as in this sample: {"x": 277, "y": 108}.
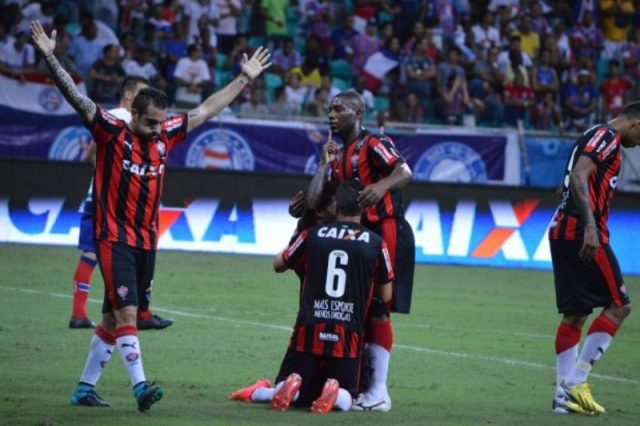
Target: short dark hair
{"x": 148, "y": 96}
{"x": 347, "y": 198}
{"x": 130, "y": 82}
{"x": 353, "y": 98}
{"x": 631, "y": 110}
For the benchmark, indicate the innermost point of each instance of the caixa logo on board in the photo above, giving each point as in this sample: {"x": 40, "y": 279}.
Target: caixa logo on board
{"x": 50, "y": 99}
{"x": 220, "y": 149}
{"x": 450, "y": 162}
{"x": 71, "y": 144}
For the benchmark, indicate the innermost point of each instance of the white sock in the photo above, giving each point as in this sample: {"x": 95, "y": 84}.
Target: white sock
{"x": 379, "y": 358}
{"x": 344, "y": 400}
{"x": 99, "y": 355}
{"x": 131, "y": 354}
{"x": 594, "y": 347}
{"x": 565, "y": 361}
{"x": 263, "y": 394}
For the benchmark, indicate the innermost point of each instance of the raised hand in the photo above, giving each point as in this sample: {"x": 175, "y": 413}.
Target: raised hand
{"x": 329, "y": 150}
{"x": 259, "y": 62}
{"x": 43, "y": 43}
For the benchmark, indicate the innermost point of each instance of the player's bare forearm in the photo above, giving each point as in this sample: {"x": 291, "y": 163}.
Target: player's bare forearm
{"x": 84, "y": 106}
{"x": 579, "y": 180}
{"x": 399, "y": 177}
{"x": 314, "y": 192}
{"x": 217, "y": 102}
{"x": 383, "y": 292}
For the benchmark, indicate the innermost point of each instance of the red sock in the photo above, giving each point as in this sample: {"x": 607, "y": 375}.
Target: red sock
{"x": 82, "y": 286}
{"x": 602, "y": 324}
{"x": 566, "y": 337}
{"x": 381, "y": 334}
{"x": 144, "y": 315}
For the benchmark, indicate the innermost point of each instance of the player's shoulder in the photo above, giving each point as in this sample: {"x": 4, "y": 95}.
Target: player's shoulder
{"x": 173, "y": 122}
{"x": 121, "y": 113}
{"x": 109, "y": 117}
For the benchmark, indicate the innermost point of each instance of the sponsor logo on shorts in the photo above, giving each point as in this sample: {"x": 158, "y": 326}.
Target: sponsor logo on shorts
{"x": 450, "y": 162}
{"x": 122, "y": 291}
{"x": 220, "y": 149}
{"x": 328, "y": 337}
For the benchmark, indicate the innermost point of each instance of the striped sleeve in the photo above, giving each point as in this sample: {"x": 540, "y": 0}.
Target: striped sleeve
{"x": 174, "y": 130}
{"x": 603, "y": 143}
{"x": 296, "y": 250}
{"x": 105, "y": 127}
{"x": 384, "y": 270}
{"x": 383, "y": 153}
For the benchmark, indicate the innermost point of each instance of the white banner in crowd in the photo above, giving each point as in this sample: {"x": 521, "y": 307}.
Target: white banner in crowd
{"x": 35, "y": 97}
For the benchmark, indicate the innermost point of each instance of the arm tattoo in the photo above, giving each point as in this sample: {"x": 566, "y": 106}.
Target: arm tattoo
{"x": 85, "y": 107}
{"x": 194, "y": 113}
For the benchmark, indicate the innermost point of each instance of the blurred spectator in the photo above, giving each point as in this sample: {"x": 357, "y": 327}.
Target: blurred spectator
{"x": 60, "y": 25}
{"x": 551, "y": 47}
{"x": 327, "y": 84}
{"x": 308, "y": 72}
{"x": 539, "y": 22}
{"x": 234, "y": 58}
{"x": 446, "y": 16}
{"x": 405, "y": 14}
{"x": 62, "y": 55}
{"x": 171, "y": 11}
{"x": 367, "y": 96}
{"x": 174, "y": 48}
{"x": 363, "y": 11}
{"x": 131, "y": 14}
{"x": 106, "y": 76}
{"x": 255, "y": 107}
{"x": 142, "y": 66}
{"x": 296, "y": 93}
{"x": 547, "y": 113}
{"x": 192, "y": 77}
{"x": 150, "y": 40}
{"x": 200, "y": 12}
{"x": 421, "y": 72}
{"x": 486, "y": 35}
{"x": 104, "y": 33}
{"x": 505, "y": 58}
{"x": 230, "y": 11}
{"x": 406, "y": 108}
{"x": 128, "y": 51}
{"x": 39, "y": 10}
{"x": 341, "y": 38}
{"x": 631, "y": 57}
{"x": 417, "y": 34}
{"x": 433, "y": 51}
{"x": 86, "y": 48}
{"x": 613, "y": 90}
{"x": 518, "y": 98}
{"x": 544, "y": 77}
{"x": 319, "y": 14}
{"x": 257, "y": 20}
{"x": 529, "y": 39}
{"x": 157, "y": 21}
{"x": 312, "y": 49}
{"x": 485, "y": 69}
{"x": 285, "y": 58}
{"x": 455, "y": 99}
{"x": 491, "y": 111}
{"x": 208, "y": 42}
{"x": 616, "y": 21}
{"x": 590, "y": 36}
{"x": 275, "y": 13}
{"x": 281, "y": 106}
{"x": 316, "y": 105}
{"x": 17, "y": 57}
{"x": 449, "y": 67}
{"x": 580, "y": 102}
{"x": 561, "y": 40}
{"x": 364, "y": 45}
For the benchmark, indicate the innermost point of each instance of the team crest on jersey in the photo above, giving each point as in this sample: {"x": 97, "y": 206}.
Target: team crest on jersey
{"x": 50, "y": 99}
{"x": 450, "y": 162}
{"x": 221, "y": 149}
{"x": 70, "y": 144}
{"x": 122, "y": 291}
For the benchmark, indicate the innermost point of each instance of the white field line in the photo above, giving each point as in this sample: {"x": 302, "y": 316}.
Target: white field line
{"x": 453, "y": 354}
{"x": 477, "y": 330}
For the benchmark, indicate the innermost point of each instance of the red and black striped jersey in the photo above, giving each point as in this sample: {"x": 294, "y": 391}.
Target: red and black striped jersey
{"x": 341, "y": 262}
{"x": 369, "y": 159}
{"x": 128, "y": 179}
{"x": 601, "y": 143}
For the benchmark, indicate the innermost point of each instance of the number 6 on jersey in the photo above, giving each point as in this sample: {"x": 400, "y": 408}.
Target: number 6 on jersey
{"x": 333, "y": 288}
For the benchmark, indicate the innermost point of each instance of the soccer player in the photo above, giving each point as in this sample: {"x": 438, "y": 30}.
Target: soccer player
{"x": 130, "y": 87}
{"x": 344, "y": 265}
{"x": 585, "y": 268}
{"x": 375, "y": 162}
{"x": 130, "y": 162}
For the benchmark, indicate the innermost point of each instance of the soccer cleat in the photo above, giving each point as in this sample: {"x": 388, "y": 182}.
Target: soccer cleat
{"x": 581, "y": 395}
{"x": 283, "y": 396}
{"x": 327, "y": 398}
{"x": 148, "y": 396}
{"x": 154, "y": 323}
{"x": 87, "y": 398}
{"x": 244, "y": 394}
{"x": 77, "y": 323}
{"x": 562, "y": 405}
{"x": 367, "y": 403}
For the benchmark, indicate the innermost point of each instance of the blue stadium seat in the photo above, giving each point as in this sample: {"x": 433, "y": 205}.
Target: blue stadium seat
{"x": 272, "y": 80}
{"x": 381, "y": 103}
{"x": 340, "y": 84}
{"x": 341, "y": 69}
{"x": 221, "y": 59}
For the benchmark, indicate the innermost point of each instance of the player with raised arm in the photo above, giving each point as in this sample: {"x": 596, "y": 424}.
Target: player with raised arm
{"x": 130, "y": 87}
{"x": 129, "y": 175}
{"x": 586, "y": 271}
{"x": 375, "y": 162}
{"x": 343, "y": 265}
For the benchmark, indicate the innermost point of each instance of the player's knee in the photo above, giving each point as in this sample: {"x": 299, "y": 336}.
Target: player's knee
{"x": 109, "y": 321}
{"x": 621, "y": 312}
{"x": 574, "y": 320}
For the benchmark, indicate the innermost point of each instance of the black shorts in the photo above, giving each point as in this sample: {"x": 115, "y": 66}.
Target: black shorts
{"x": 582, "y": 286}
{"x": 315, "y": 370}
{"x": 398, "y": 235}
{"x": 128, "y": 275}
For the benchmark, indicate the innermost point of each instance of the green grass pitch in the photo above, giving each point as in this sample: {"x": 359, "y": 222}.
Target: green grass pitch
{"x": 477, "y": 348}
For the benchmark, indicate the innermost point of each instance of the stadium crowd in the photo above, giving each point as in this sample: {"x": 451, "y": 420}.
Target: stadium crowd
{"x": 555, "y": 65}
